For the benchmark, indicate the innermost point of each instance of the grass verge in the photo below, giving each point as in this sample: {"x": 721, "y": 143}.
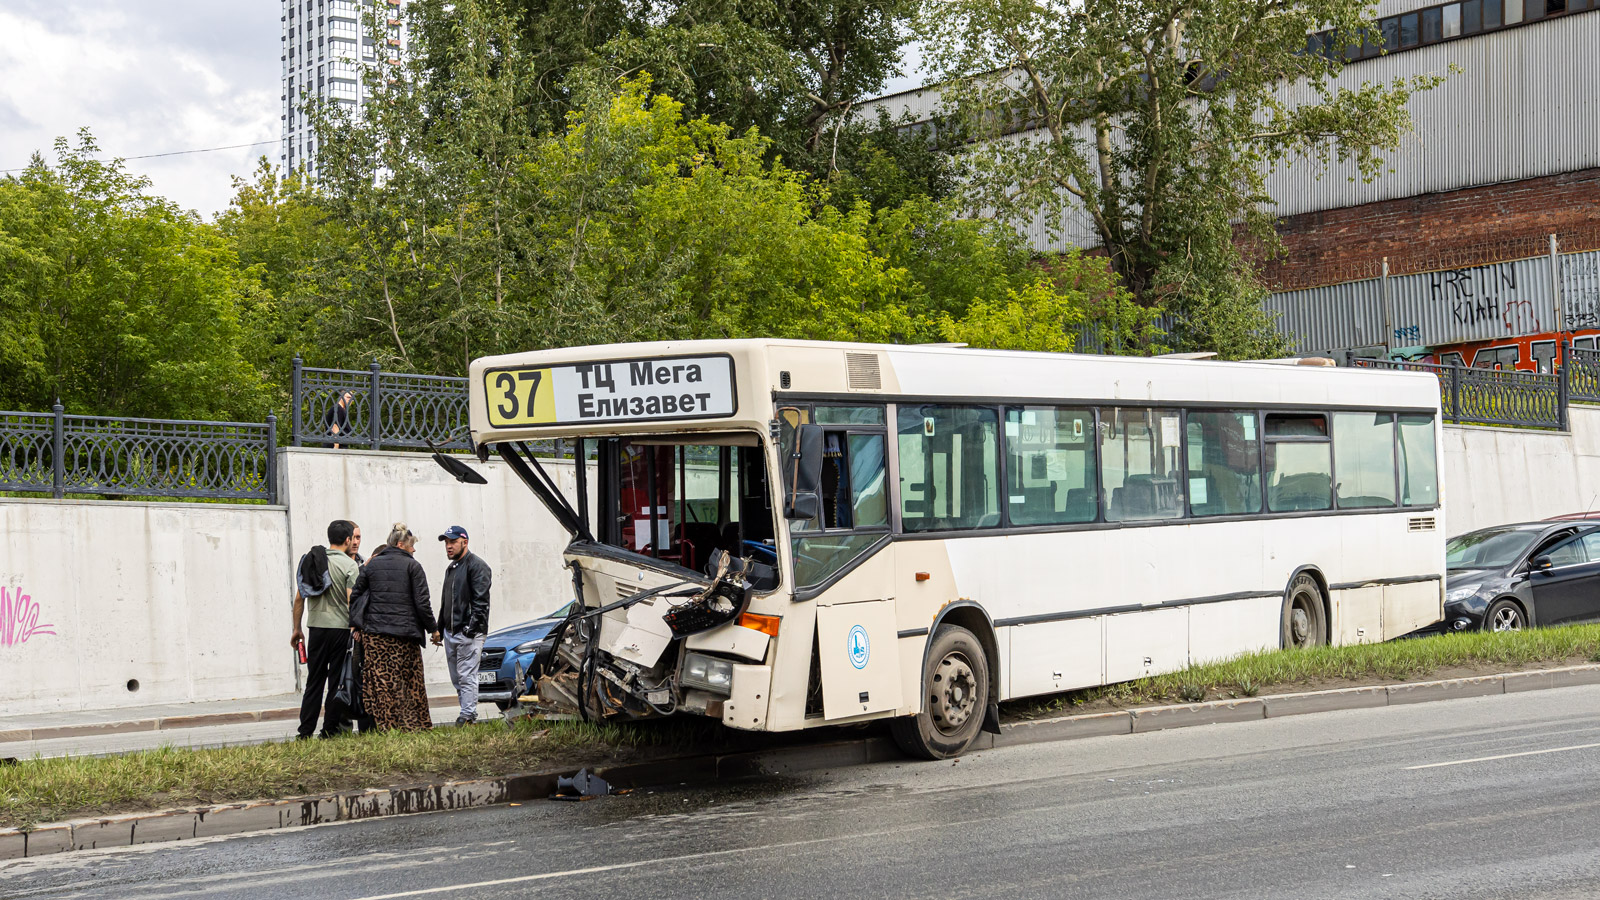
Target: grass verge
{"x": 47, "y": 790}
{"x": 1282, "y": 671}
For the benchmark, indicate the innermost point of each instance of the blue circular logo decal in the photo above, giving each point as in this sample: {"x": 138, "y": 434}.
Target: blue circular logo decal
{"x": 860, "y": 647}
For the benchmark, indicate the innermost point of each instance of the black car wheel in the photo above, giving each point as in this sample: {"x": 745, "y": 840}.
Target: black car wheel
{"x": 1503, "y": 615}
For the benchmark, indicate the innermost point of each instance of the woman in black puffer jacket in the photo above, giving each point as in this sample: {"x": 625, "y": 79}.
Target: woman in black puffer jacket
{"x": 390, "y": 614}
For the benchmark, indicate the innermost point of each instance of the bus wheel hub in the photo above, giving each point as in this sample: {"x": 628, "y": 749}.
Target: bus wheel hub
{"x": 954, "y": 693}
{"x": 1300, "y": 622}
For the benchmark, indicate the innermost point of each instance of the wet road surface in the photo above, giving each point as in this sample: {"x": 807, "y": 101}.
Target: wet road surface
{"x": 1479, "y": 798}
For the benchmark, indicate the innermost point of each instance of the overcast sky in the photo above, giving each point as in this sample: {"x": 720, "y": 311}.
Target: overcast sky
{"x": 146, "y": 77}
{"x": 149, "y": 77}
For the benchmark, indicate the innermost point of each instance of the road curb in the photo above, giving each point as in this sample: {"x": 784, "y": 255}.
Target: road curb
{"x": 168, "y": 723}
{"x": 347, "y": 806}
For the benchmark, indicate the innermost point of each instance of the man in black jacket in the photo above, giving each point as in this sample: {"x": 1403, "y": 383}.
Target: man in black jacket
{"x": 464, "y": 618}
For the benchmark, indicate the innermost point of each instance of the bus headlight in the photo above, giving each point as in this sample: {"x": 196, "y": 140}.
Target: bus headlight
{"x": 708, "y": 672}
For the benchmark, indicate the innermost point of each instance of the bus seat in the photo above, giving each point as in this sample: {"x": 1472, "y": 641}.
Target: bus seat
{"x": 1080, "y": 504}
{"x": 1139, "y": 500}
{"x": 1038, "y": 505}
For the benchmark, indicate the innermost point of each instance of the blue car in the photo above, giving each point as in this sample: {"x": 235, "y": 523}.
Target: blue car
{"x": 513, "y": 656}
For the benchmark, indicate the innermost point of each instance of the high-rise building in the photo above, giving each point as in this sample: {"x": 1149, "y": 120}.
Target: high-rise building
{"x": 326, "y": 45}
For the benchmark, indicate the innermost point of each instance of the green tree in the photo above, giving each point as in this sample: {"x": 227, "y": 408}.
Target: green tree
{"x": 1159, "y": 120}
{"x": 469, "y": 233}
{"x": 117, "y": 302}
{"x": 278, "y": 233}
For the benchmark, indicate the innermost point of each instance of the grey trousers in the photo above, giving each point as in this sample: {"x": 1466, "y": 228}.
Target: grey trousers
{"x": 461, "y": 654}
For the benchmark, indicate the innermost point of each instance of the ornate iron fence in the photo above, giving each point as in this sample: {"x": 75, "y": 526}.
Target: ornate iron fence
{"x": 1583, "y": 374}
{"x": 380, "y": 409}
{"x": 59, "y": 454}
{"x": 1490, "y": 396}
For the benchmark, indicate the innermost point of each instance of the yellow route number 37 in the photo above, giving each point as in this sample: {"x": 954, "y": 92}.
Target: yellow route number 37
{"x": 520, "y": 397}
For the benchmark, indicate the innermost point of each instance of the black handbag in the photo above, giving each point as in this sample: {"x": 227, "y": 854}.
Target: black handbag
{"x": 349, "y": 692}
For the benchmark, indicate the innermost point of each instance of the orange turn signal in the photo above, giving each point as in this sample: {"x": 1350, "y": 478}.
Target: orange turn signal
{"x": 923, "y": 576}
{"x": 767, "y": 625}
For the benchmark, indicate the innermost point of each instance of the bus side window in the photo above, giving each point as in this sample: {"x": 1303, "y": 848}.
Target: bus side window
{"x": 949, "y": 462}
{"x": 1299, "y": 462}
{"x": 1050, "y": 465}
{"x": 1363, "y": 449}
{"x": 1139, "y": 463}
{"x": 1419, "y": 467}
{"x": 1224, "y": 463}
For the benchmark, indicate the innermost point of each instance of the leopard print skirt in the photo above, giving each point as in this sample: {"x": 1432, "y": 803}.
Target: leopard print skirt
{"x": 393, "y": 688}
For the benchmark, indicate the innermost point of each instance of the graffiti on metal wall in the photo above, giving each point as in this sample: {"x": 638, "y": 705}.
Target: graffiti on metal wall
{"x": 1485, "y": 294}
{"x": 1580, "y": 291}
{"x": 19, "y": 618}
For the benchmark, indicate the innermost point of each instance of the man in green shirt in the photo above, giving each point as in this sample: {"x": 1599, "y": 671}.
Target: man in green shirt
{"x": 324, "y": 596}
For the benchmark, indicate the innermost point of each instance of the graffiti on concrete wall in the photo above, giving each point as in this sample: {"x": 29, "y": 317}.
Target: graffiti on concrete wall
{"x": 19, "y": 618}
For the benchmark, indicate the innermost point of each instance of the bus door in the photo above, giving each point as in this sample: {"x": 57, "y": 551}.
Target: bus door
{"x": 843, "y": 561}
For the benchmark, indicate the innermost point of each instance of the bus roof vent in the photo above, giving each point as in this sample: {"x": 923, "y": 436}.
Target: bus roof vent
{"x": 861, "y": 372}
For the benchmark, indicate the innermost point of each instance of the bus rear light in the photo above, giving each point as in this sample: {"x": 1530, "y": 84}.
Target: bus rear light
{"x": 767, "y": 625}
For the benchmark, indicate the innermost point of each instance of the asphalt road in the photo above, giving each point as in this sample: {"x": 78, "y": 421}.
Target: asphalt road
{"x": 1487, "y": 797}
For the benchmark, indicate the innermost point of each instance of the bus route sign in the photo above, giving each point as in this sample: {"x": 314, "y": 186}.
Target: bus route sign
{"x": 680, "y": 387}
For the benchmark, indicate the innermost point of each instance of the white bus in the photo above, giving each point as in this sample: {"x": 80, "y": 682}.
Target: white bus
{"x": 786, "y": 534}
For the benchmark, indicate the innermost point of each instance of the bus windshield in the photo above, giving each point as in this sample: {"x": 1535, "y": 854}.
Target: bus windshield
{"x": 678, "y": 498}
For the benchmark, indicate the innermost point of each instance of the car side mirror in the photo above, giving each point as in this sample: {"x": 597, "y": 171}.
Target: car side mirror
{"x": 1540, "y": 562}
{"x": 805, "y": 474}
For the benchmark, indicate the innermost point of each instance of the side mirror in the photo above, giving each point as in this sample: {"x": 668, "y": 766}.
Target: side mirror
{"x": 458, "y": 470}
{"x": 1541, "y": 562}
{"x": 805, "y": 474}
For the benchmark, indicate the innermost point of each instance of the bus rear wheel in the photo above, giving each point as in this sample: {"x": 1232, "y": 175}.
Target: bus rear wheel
{"x": 955, "y": 695}
{"x": 1304, "y": 622}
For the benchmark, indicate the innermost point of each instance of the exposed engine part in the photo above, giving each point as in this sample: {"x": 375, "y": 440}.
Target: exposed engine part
{"x": 621, "y": 659}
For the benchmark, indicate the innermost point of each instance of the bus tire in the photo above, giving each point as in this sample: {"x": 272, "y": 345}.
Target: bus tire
{"x": 955, "y": 686}
{"x": 1305, "y": 620}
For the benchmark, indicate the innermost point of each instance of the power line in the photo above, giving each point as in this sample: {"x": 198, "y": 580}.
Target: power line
{"x": 169, "y": 153}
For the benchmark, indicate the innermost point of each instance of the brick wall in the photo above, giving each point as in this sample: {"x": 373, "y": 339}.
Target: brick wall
{"x": 1468, "y": 227}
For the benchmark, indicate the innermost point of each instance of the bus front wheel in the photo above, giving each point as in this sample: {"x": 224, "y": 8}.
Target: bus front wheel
{"x": 955, "y": 694}
{"x": 1304, "y": 622}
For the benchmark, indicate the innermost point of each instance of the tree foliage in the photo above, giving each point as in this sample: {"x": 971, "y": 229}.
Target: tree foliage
{"x": 116, "y": 302}
{"x": 1159, "y": 121}
{"x": 472, "y": 233}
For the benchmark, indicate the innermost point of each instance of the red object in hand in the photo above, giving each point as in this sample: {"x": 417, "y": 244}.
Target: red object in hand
{"x": 300, "y": 651}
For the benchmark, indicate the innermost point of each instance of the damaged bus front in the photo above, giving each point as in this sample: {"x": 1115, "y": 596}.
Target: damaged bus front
{"x": 676, "y": 521}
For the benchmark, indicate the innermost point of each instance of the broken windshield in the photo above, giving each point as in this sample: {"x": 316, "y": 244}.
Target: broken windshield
{"x": 680, "y": 498}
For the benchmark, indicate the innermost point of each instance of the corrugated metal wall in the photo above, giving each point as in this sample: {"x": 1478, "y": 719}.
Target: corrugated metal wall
{"x": 1523, "y": 105}
{"x": 1334, "y": 317}
{"x": 1477, "y": 303}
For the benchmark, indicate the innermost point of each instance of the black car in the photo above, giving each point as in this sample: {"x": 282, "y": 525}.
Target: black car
{"x": 1511, "y": 576}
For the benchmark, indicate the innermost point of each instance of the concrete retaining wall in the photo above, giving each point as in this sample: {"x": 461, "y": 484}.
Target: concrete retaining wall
{"x": 510, "y": 528}
{"x": 106, "y": 604}
{"x": 1497, "y": 475}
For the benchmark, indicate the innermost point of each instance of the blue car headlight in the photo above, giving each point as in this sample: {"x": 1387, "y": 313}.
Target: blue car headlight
{"x": 528, "y": 646}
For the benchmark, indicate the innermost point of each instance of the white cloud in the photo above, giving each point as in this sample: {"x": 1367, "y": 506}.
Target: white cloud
{"x": 145, "y": 78}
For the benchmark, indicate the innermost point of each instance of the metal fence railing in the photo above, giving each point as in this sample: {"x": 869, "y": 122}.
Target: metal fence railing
{"x": 1583, "y": 374}
{"x": 58, "y": 454}
{"x": 1492, "y": 396}
{"x": 380, "y": 409}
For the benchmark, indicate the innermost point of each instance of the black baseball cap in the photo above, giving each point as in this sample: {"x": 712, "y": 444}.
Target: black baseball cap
{"x": 453, "y": 532}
